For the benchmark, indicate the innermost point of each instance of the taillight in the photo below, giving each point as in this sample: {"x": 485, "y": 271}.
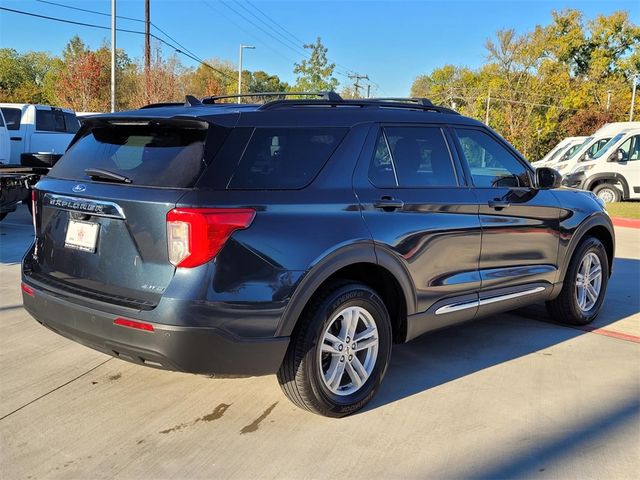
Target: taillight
{"x": 27, "y": 289}
{"x": 196, "y": 235}
{"x": 125, "y": 322}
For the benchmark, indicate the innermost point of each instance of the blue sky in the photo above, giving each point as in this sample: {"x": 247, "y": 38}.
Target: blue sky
{"x": 391, "y": 41}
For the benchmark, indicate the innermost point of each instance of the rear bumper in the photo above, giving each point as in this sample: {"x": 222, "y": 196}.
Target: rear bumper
{"x": 199, "y": 350}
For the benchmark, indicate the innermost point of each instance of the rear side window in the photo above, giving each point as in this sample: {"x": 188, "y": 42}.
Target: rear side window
{"x": 12, "y": 117}
{"x": 412, "y": 157}
{"x": 71, "y": 123}
{"x": 56, "y": 121}
{"x": 150, "y": 155}
{"x": 284, "y": 158}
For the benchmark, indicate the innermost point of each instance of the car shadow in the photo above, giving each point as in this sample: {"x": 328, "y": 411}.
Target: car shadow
{"x": 16, "y": 236}
{"x": 449, "y": 354}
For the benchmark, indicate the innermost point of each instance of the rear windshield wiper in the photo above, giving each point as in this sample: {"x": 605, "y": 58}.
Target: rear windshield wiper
{"x": 102, "y": 174}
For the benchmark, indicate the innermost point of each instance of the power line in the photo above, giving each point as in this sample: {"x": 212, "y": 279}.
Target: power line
{"x": 94, "y": 12}
{"x": 102, "y": 27}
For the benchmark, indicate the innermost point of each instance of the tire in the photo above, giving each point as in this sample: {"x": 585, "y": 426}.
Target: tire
{"x": 608, "y": 193}
{"x": 566, "y": 307}
{"x": 302, "y": 375}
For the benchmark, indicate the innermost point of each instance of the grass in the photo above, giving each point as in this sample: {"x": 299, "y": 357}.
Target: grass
{"x": 624, "y": 209}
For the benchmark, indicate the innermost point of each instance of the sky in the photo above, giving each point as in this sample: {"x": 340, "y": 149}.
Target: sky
{"x": 390, "y": 41}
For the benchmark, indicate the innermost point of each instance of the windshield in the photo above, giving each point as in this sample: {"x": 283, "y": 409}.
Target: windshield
{"x": 574, "y": 153}
{"x": 608, "y": 145}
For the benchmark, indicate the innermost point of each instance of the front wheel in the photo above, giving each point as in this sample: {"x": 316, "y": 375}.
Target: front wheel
{"x": 607, "y": 192}
{"x": 339, "y": 352}
{"x": 584, "y": 286}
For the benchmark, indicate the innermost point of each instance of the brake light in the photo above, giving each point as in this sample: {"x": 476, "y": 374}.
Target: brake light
{"x": 27, "y": 289}
{"x": 196, "y": 235}
{"x": 125, "y": 322}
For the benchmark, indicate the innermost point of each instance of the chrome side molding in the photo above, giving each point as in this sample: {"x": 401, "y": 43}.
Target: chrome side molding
{"x": 454, "y": 307}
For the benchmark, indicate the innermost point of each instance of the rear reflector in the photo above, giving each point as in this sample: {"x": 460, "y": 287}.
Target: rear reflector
{"x": 125, "y": 322}
{"x": 196, "y": 235}
{"x": 27, "y": 289}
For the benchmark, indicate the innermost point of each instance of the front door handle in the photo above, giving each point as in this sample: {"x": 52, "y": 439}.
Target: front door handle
{"x": 498, "y": 204}
{"x": 388, "y": 204}
{"x": 16, "y": 138}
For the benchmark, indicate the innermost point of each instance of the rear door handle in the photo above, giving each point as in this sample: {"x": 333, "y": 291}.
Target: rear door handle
{"x": 16, "y": 138}
{"x": 499, "y": 204}
{"x": 388, "y": 204}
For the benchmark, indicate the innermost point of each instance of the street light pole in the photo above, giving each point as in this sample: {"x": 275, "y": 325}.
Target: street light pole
{"x": 113, "y": 55}
{"x": 242, "y": 47}
{"x": 634, "y": 79}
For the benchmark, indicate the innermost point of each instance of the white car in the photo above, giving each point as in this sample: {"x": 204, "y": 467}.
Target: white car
{"x": 5, "y": 146}
{"x": 38, "y": 128}
{"x": 561, "y": 147}
{"x": 566, "y": 163}
{"x": 613, "y": 174}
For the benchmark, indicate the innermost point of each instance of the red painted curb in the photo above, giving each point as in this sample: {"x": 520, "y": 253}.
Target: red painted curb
{"x": 626, "y": 222}
{"x": 609, "y": 333}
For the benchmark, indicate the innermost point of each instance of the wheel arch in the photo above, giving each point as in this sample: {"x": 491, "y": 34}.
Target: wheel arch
{"x": 357, "y": 262}
{"x": 609, "y": 177}
{"x": 598, "y": 226}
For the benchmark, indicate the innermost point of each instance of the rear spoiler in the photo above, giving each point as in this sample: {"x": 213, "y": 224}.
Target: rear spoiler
{"x": 107, "y": 120}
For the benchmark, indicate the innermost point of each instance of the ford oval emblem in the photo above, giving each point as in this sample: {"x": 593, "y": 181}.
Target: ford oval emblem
{"x": 79, "y": 188}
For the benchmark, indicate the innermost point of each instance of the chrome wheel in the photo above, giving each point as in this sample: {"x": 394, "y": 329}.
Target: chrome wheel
{"x": 588, "y": 282}
{"x": 348, "y": 352}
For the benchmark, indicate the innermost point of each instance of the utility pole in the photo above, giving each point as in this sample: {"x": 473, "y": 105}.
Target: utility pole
{"x": 356, "y": 77}
{"x": 113, "y": 55}
{"x": 634, "y": 79}
{"x": 486, "y": 115}
{"x": 147, "y": 51}
{"x": 608, "y": 99}
{"x": 242, "y": 47}
{"x": 369, "y": 90}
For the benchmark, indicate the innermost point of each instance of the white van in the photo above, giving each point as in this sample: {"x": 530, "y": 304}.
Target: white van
{"x": 38, "y": 128}
{"x": 613, "y": 174}
{"x": 561, "y": 146}
{"x": 566, "y": 163}
{"x": 5, "y": 146}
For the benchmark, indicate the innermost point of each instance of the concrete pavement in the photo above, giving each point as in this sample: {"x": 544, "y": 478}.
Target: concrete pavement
{"x": 508, "y": 396}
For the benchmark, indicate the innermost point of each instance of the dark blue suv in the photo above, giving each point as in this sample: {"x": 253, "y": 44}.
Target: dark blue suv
{"x": 301, "y": 237}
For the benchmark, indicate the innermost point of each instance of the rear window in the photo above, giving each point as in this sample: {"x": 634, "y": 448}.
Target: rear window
{"x": 56, "y": 121}
{"x": 12, "y": 117}
{"x": 150, "y": 155}
{"x": 284, "y": 158}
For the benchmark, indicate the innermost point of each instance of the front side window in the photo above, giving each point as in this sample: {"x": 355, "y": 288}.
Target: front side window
{"x": 597, "y": 146}
{"x": 12, "y": 117}
{"x": 630, "y": 149}
{"x": 412, "y": 157}
{"x": 490, "y": 163}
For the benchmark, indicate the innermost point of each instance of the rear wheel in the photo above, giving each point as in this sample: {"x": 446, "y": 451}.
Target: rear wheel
{"x": 607, "y": 192}
{"x": 339, "y": 353}
{"x": 584, "y": 286}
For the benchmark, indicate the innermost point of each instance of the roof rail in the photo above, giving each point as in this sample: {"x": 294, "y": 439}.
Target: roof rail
{"x": 163, "y": 104}
{"x": 331, "y": 96}
{"x": 399, "y": 103}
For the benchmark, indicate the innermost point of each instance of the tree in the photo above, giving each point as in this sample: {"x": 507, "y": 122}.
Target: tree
{"x": 260, "y": 81}
{"x": 315, "y": 73}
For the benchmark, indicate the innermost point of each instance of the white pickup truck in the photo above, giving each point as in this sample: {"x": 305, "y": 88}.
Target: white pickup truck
{"x": 38, "y": 128}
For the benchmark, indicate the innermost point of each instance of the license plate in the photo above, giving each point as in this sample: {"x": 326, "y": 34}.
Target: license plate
{"x": 82, "y": 236}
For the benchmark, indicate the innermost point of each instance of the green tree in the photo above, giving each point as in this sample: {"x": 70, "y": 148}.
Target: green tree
{"x": 315, "y": 74}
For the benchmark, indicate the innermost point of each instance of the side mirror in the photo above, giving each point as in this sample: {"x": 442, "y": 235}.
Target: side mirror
{"x": 548, "y": 178}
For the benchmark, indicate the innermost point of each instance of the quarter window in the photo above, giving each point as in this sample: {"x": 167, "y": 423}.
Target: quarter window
{"x": 491, "y": 164}
{"x": 412, "y": 157}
